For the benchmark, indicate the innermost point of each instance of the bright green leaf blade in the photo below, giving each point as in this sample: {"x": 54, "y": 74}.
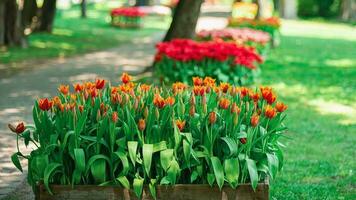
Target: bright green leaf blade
{"x": 138, "y": 186}
{"x": 147, "y": 151}
{"x": 173, "y": 172}
{"x": 218, "y": 171}
{"x": 211, "y": 179}
{"x": 166, "y": 157}
{"x": 232, "y": 170}
{"x": 124, "y": 182}
{"x": 252, "y": 169}
{"x": 124, "y": 161}
{"x": 152, "y": 187}
{"x": 272, "y": 164}
{"x": 132, "y": 148}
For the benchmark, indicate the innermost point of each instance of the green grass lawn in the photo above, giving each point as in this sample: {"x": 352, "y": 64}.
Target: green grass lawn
{"x": 73, "y": 35}
{"x": 314, "y": 71}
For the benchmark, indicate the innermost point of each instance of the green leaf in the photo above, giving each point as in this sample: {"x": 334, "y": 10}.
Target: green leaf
{"x": 125, "y": 163}
{"x": 231, "y": 144}
{"x": 138, "y": 186}
{"x": 166, "y": 157}
{"x": 98, "y": 170}
{"x": 152, "y": 187}
{"x": 211, "y": 179}
{"x": 252, "y": 169}
{"x": 132, "y": 148}
{"x": 187, "y": 146}
{"x": 160, "y": 146}
{"x": 218, "y": 171}
{"x": 147, "y": 151}
{"x": 15, "y": 160}
{"x": 79, "y": 159}
{"x": 232, "y": 170}
{"x": 173, "y": 171}
{"x": 124, "y": 182}
{"x": 50, "y": 171}
{"x": 272, "y": 164}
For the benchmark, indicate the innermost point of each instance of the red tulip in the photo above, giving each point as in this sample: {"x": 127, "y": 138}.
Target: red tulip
{"x": 99, "y": 84}
{"x": 20, "y": 128}
{"x": 45, "y": 104}
{"x": 281, "y": 107}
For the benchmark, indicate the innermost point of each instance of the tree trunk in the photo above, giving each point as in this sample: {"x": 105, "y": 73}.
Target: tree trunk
{"x": 48, "y": 15}
{"x": 184, "y": 20}
{"x": 348, "y": 10}
{"x": 83, "y": 6}
{"x": 142, "y": 3}
{"x": 14, "y": 33}
{"x": 288, "y": 9}
{"x": 2, "y": 23}
{"x": 29, "y": 12}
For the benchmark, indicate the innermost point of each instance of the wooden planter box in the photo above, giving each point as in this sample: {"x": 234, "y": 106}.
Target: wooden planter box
{"x": 177, "y": 192}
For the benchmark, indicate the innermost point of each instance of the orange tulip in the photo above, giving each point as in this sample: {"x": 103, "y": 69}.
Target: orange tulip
{"x": 81, "y": 108}
{"x": 125, "y": 78}
{"x": 254, "y": 96}
{"x": 281, "y": 107}
{"x": 224, "y": 103}
{"x": 199, "y": 90}
{"x": 78, "y": 87}
{"x": 235, "y": 108}
{"x": 209, "y": 82}
{"x": 158, "y": 101}
{"x": 170, "y": 101}
{"x": 180, "y": 124}
{"x": 224, "y": 87}
{"x": 178, "y": 87}
{"x": 99, "y": 84}
{"x": 114, "y": 117}
{"x": 197, "y": 81}
{"x": 20, "y": 128}
{"x": 145, "y": 87}
{"x": 268, "y": 94}
{"x": 244, "y": 91}
{"x": 192, "y": 110}
{"x": 212, "y": 117}
{"x": 93, "y": 92}
{"x": 45, "y": 104}
{"x": 270, "y": 112}
{"x": 254, "y": 120}
{"x": 64, "y": 89}
{"x": 141, "y": 124}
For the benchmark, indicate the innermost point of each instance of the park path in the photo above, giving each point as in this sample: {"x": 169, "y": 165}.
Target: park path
{"x": 19, "y": 91}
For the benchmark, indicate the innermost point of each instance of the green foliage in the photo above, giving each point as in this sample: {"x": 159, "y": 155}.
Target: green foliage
{"x": 318, "y": 8}
{"x": 129, "y": 135}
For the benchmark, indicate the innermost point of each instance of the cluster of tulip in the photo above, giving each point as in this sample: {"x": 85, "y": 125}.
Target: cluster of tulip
{"x": 270, "y": 25}
{"x": 180, "y": 59}
{"x": 135, "y": 134}
{"x": 242, "y": 36}
{"x": 130, "y": 17}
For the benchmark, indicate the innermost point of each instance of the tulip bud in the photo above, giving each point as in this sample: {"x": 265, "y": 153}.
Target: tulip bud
{"x": 20, "y": 128}
{"x": 98, "y": 115}
{"x": 192, "y": 100}
{"x": 212, "y": 117}
{"x": 141, "y": 124}
{"x": 254, "y": 120}
{"x": 192, "y": 111}
{"x": 204, "y": 104}
{"x": 157, "y": 113}
{"x": 115, "y": 117}
{"x": 243, "y": 140}
{"x": 145, "y": 112}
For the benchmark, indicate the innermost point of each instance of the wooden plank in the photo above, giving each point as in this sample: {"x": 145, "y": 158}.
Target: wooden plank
{"x": 177, "y": 192}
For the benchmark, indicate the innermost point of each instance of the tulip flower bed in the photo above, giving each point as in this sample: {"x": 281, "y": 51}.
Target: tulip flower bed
{"x": 242, "y": 36}
{"x": 269, "y": 25}
{"x": 181, "y": 59}
{"x": 131, "y": 135}
{"x": 127, "y": 17}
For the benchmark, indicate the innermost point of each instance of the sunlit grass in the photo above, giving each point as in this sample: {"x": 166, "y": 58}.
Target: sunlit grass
{"x": 314, "y": 71}
{"x": 73, "y": 35}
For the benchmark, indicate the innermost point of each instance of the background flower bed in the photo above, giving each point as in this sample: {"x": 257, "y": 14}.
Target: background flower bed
{"x": 135, "y": 134}
{"x": 127, "y": 17}
{"x": 181, "y": 59}
{"x": 269, "y": 25}
{"x": 242, "y": 36}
